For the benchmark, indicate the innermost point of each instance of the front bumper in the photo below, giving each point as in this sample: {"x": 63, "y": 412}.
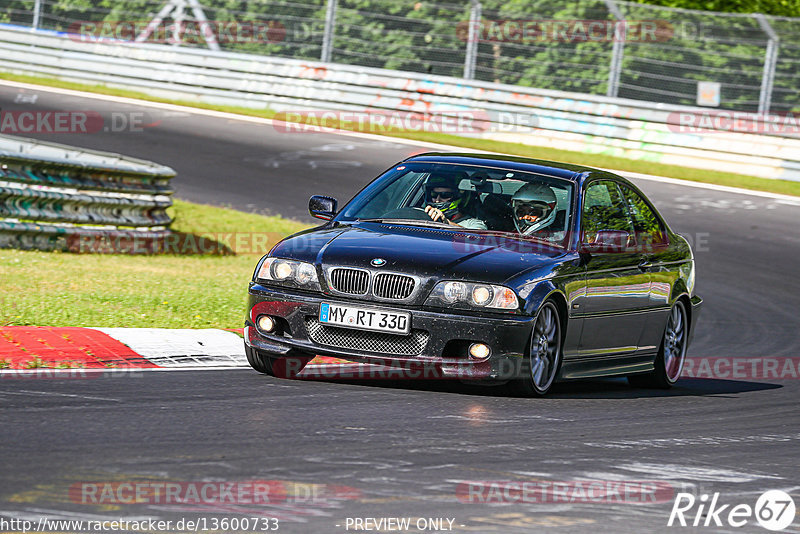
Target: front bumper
{"x": 449, "y": 334}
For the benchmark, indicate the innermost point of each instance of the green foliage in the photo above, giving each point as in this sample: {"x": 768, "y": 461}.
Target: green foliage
{"x": 430, "y": 37}
{"x": 781, "y": 8}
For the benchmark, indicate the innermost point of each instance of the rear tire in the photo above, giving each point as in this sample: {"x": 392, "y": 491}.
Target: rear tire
{"x": 279, "y": 367}
{"x": 671, "y": 354}
{"x": 544, "y": 354}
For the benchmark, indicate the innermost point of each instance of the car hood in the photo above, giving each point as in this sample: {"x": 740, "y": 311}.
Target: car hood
{"x": 429, "y": 253}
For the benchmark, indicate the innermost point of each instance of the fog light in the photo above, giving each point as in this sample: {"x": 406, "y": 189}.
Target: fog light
{"x": 479, "y": 351}
{"x": 266, "y": 324}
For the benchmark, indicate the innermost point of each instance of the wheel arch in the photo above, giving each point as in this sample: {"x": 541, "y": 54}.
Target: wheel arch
{"x": 545, "y": 291}
{"x": 687, "y": 306}
{"x": 680, "y": 292}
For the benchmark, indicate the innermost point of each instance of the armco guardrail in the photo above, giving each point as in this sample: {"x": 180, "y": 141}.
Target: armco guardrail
{"x": 55, "y": 197}
{"x": 590, "y": 124}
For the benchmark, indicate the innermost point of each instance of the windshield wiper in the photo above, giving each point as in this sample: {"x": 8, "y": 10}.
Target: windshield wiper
{"x": 416, "y": 222}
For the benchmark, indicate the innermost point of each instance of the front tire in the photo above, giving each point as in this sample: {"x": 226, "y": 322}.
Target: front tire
{"x": 543, "y": 358}
{"x": 671, "y": 354}
{"x": 279, "y": 367}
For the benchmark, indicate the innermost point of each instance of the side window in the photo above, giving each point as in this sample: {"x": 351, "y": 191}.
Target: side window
{"x": 603, "y": 209}
{"x": 649, "y": 231}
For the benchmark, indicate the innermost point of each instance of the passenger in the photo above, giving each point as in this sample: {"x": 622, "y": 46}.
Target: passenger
{"x": 534, "y": 207}
{"x": 445, "y": 203}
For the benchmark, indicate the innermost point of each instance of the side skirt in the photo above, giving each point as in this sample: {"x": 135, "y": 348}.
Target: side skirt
{"x": 594, "y": 367}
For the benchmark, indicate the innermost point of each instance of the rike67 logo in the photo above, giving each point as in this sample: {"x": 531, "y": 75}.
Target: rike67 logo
{"x": 774, "y": 510}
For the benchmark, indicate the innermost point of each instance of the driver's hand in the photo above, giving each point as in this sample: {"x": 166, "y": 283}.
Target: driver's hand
{"x": 435, "y": 214}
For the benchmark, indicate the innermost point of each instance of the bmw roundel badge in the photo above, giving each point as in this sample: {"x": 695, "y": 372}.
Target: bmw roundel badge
{"x": 378, "y": 262}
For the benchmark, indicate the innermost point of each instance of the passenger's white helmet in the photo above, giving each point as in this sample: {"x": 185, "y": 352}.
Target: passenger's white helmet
{"x": 534, "y": 207}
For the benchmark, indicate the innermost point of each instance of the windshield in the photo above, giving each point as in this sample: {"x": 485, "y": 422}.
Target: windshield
{"x": 468, "y": 197}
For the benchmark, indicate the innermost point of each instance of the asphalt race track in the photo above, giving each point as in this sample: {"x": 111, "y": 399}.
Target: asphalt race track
{"x": 387, "y": 449}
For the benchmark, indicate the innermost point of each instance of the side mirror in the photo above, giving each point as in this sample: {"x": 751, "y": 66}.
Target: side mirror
{"x": 322, "y": 207}
{"x": 609, "y": 241}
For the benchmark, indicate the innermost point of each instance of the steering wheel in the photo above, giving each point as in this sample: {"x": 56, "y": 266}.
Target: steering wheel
{"x": 415, "y": 214}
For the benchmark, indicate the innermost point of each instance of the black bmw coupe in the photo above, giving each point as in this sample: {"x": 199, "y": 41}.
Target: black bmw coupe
{"x": 508, "y": 270}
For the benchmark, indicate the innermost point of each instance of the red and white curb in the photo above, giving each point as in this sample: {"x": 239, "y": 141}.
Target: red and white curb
{"x": 182, "y": 348}
{"x": 52, "y": 350}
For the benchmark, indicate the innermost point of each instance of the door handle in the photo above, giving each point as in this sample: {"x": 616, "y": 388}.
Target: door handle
{"x": 644, "y": 265}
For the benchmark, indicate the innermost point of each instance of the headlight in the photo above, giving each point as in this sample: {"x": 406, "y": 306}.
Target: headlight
{"x": 289, "y": 272}
{"x": 473, "y": 295}
{"x": 305, "y": 273}
{"x": 482, "y": 295}
{"x": 453, "y": 292}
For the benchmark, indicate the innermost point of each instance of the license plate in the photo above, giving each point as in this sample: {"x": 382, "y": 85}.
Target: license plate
{"x": 365, "y": 318}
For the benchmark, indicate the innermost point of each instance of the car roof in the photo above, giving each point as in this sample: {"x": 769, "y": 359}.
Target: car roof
{"x": 565, "y": 171}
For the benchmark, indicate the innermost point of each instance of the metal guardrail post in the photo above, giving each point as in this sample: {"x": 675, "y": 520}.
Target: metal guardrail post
{"x": 330, "y": 28}
{"x": 208, "y": 32}
{"x": 770, "y": 62}
{"x": 473, "y": 37}
{"x": 617, "y": 49}
{"x": 177, "y": 9}
{"x": 37, "y": 14}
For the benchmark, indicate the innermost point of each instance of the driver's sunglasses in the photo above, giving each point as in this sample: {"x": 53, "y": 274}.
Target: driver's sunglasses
{"x": 442, "y": 195}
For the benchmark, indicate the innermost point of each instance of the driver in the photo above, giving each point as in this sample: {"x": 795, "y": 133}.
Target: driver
{"x": 444, "y": 202}
{"x": 534, "y": 207}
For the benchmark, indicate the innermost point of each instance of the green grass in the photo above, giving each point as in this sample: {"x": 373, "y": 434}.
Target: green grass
{"x": 207, "y": 220}
{"x": 166, "y": 291}
{"x": 36, "y": 363}
{"x": 70, "y": 365}
{"x": 593, "y": 160}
